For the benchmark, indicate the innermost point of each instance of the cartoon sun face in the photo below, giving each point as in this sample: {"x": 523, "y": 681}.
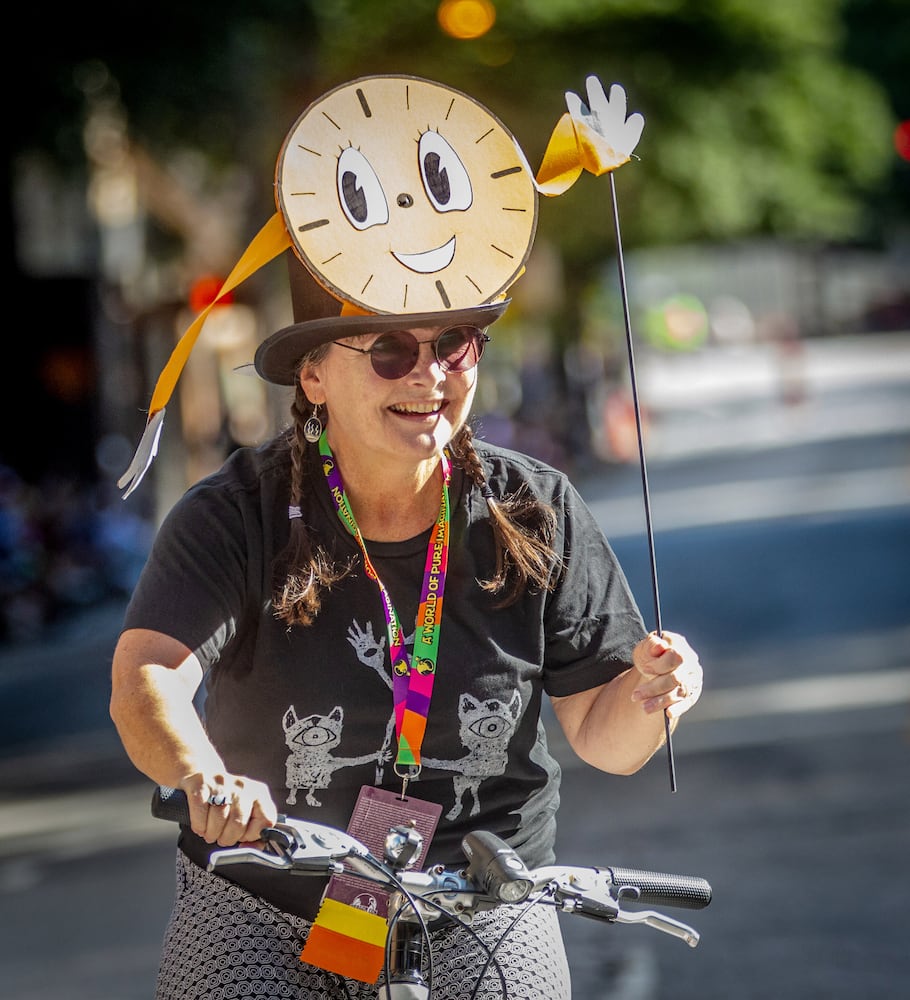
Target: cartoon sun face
{"x": 402, "y": 196}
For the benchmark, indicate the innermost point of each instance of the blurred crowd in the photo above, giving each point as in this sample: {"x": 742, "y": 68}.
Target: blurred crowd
{"x": 62, "y": 549}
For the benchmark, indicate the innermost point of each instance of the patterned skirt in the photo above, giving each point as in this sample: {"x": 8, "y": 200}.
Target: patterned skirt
{"x": 223, "y": 942}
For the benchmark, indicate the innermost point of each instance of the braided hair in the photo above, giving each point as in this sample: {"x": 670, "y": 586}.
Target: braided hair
{"x": 523, "y": 531}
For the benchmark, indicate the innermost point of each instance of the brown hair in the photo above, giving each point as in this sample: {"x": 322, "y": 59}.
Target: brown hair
{"x": 523, "y": 531}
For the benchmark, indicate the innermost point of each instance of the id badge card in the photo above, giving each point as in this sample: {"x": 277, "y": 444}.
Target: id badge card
{"x": 376, "y": 812}
{"x": 348, "y": 935}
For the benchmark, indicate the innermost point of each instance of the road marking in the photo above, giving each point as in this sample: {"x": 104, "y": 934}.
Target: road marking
{"x": 81, "y": 823}
{"x": 817, "y": 700}
{"x": 755, "y": 500}
{"x": 814, "y": 694}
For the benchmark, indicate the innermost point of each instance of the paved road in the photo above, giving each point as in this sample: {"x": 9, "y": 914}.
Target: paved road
{"x": 803, "y": 838}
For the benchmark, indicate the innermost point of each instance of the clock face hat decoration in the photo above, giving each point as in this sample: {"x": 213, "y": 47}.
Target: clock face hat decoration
{"x": 404, "y": 199}
{"x": 405, "y": 196}
{"x": 405, "y": 203}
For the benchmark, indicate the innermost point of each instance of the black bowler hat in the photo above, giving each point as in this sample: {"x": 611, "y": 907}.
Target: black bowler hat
{"x": 320, "y": 318}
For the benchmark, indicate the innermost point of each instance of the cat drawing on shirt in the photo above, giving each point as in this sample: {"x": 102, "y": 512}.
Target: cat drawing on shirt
{"x": 311, "y": 763}
{"x": 485, "y": 728}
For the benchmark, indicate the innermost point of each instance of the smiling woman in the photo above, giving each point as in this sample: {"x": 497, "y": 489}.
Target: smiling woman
{"x": 375, "y": 601}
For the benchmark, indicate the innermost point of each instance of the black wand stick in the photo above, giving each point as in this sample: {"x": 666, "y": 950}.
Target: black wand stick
{"x": 641, "y": 455}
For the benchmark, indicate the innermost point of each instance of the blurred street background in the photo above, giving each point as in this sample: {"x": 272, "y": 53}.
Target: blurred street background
{"x": 766, "y": 235}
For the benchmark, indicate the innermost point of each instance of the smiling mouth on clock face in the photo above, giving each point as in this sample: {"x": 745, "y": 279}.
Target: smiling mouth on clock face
{"x": 429, "y": 261}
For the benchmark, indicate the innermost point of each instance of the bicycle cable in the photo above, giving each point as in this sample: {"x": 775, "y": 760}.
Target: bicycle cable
{"x": 455, "y": 923}
{"x": 492, "y": 952}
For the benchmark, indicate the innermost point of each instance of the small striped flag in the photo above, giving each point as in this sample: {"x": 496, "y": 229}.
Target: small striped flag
{"x": 347, "y": 940}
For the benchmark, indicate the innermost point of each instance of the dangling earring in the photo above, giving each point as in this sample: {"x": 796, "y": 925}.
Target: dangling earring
{"x": 312, "y": 429}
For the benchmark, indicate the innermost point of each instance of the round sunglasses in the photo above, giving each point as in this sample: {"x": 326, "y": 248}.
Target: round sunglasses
{"x": 394, "y": 355}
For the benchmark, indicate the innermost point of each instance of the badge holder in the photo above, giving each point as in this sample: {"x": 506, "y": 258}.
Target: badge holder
{"x": 349, "y": 933}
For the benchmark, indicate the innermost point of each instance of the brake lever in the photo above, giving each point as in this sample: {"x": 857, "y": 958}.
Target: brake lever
{"x": 299, "y": 847}
{"x": 241, "y": 855}
{"x": 588, "y": 892}
{"x": 660, "y": 922}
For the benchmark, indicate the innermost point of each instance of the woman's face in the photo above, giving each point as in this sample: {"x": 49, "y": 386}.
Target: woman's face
{"x": 406, "y": 420}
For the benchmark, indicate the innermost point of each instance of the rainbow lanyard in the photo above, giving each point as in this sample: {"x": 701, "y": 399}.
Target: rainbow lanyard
{"x": 412, "y": 679}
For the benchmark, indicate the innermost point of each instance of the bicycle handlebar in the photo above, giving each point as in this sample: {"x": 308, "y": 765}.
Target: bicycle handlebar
{"x": 494, "y": 876}
{"x": 303, "y": 846}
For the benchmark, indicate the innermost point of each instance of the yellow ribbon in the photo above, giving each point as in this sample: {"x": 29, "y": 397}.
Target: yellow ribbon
{"x": 270, "y": 241}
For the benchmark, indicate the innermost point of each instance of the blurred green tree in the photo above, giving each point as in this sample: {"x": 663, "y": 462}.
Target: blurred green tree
{"x": 756, "y": 123}
{"x": 767, "y": 118}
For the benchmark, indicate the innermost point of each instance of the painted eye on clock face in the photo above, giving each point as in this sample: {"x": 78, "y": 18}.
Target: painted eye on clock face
{"x": 444, "y": 176}
{"x": 362, "y": 198}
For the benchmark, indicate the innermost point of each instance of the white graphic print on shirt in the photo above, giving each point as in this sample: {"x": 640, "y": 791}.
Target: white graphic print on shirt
{"x": 485, "y": 728}
{"x": 370, "y": 650}
{"x": 371, "y": 653}
{"x": 311, "y": 741}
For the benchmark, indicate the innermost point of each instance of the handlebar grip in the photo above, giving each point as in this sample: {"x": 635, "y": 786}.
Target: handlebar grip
{"x": 170, "y": 804}
{"x": 689, "y": 892}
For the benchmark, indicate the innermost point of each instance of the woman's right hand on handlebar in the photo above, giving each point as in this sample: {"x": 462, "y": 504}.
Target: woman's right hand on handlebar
{"x": 228, "y": 809}
{"x": 154, "y": 681}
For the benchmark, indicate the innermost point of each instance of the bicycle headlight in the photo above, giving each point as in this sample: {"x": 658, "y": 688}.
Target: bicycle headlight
{"x": 515, "y": 891}
{"x": 496, "y": 868}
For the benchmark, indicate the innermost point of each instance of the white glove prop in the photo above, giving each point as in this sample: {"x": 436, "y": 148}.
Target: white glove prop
{"x": 597, "y": 137}
{"x": 604, "y": 125}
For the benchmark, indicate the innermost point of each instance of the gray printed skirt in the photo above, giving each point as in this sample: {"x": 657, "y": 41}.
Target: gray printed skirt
{"x": 223, "y": 942}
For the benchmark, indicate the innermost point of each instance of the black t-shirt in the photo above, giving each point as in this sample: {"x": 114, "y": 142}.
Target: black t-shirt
{"x": 309, "y": 710}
